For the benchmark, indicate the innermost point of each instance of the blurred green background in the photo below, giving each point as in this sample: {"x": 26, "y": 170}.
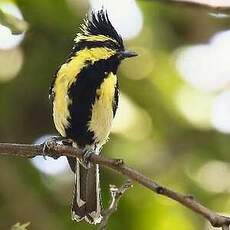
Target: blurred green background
{"x": 173, "y": 122}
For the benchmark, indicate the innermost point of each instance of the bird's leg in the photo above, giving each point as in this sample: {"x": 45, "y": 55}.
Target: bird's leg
{"x": 86, "y": 156}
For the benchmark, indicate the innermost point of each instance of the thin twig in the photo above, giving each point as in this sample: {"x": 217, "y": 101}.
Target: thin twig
{"x": 214, "y": 5}
{"x": 54, "y": 149}
{"x": 116, "y": 194}
{"x": 19, "y": 226}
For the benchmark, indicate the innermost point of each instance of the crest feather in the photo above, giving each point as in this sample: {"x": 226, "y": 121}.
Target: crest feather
{"x": 99, "y": 24}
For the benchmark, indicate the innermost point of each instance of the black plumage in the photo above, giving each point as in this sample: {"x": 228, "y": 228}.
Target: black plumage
{"x": 83, "y": 94}
{"x": 101, "y": 25}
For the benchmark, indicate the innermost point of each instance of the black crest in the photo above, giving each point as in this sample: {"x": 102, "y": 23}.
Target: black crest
{"x": 99, "y": 24}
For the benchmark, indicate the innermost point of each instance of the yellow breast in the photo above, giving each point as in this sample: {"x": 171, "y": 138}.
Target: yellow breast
{"x": 66, "y": 76}
{"x": 102, "y": 110}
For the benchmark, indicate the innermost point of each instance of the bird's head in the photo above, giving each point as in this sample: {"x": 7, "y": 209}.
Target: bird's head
{"x": 101, "y": 41}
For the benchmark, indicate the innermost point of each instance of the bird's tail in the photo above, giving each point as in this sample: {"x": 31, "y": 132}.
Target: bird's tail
{"x": 86, "y": 200}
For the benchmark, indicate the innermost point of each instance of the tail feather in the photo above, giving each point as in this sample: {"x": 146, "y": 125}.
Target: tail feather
{"x": 86, "y": 201}
{"x": 72, "y": 163}
{"x": 93, "y": 201}
{"x": 79, "y": 197}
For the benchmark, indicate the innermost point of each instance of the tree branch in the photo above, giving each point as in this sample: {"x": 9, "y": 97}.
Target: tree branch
{"x": 214, "y": 5}
{"x": 55, "y": 150}
{"x": 116, "y": 194}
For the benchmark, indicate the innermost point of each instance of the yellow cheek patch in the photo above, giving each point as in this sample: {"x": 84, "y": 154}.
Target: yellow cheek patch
{"x": 66, "y": 76}
{"x": 102, "y": 110}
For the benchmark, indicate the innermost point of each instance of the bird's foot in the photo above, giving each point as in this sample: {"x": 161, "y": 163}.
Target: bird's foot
{"x": 55, "y": 140}
{"x": 86, "y": 157}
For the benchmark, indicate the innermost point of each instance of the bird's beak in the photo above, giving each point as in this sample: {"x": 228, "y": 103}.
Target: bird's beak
{"x": 126, "y": 54}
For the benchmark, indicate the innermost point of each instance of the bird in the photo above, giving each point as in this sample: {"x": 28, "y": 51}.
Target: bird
{"x": 85, "y": 93}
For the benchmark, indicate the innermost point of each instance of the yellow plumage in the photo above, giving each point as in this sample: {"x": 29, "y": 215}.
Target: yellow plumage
{"x": 66, "y": 76}
{"x": 102, "y": 110}
{"x": 94, "y": 38}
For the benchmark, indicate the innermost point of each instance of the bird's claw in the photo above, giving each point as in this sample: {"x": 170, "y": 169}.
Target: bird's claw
{"x": 55, "y": 140}
{"x": 86, "y": 157}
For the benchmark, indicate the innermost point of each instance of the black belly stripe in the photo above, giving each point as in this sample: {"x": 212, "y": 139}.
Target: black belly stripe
{"x": 83, "y": 94}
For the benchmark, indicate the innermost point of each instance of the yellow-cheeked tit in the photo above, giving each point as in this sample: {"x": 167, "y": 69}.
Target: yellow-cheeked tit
{"x": 84, "y": 96}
